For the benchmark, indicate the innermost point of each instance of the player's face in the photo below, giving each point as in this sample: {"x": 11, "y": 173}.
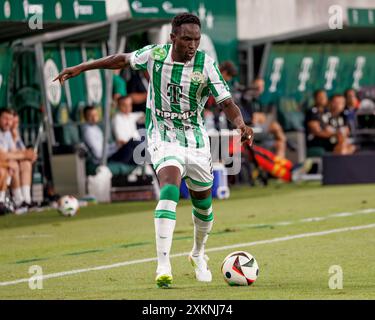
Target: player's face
{"x": 126, "y": 106}
{"x": 186, "y": 41}
{"x": 259, "y": 85}
{"x": 338, "y": 105}
{"x": 93, "y": 117}
{"x": 351, "y": 97}
{"x": 321, "y": 98}
{"x": 226, "y": 76}
{"x": 6, "y": 121}
{"x": 16, "y": 122}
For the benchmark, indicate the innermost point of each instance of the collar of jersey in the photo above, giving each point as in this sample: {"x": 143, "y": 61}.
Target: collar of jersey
{"x": 170, "y": 60}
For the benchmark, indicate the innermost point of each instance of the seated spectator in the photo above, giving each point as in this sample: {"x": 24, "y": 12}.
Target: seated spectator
{"x": 254, "y": 110}
{"x": 326, "y": 127}
{"x": 352, "y": 105}
{"x": 19, "y": 162}
{"x": 137, "y": 90}
{"x": 93, "y": 138}
{"x": 124, "y": 125}
{"x": 4, "y": 168}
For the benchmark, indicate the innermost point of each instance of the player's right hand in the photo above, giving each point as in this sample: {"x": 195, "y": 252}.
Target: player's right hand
{"x": 30, "y": 155}
{"x": 68, "y": 73}
{"x": 247, "y": 135}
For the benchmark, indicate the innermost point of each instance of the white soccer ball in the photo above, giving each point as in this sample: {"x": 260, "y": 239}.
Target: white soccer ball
{"x": 240, "y": 269}
{"x": 68, "y": 206}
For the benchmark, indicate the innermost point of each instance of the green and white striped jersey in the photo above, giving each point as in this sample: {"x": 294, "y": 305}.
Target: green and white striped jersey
{"x": 177, "y": 93}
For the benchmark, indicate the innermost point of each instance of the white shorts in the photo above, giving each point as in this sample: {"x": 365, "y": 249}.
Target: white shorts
{"x": 194, "y": 164}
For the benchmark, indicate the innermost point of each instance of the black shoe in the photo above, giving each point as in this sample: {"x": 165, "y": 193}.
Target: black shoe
{"x": 4, "y": 209}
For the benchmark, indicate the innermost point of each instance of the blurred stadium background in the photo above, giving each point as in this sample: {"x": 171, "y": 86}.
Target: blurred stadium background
{"x": 292, "y": 45}
{"x": 296, "y": 46}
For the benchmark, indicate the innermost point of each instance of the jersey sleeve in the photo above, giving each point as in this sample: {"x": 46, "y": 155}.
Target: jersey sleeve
{"x": 139, "y": 58}
{"x": 312, "y": 115}
{"x": 217, "y": 84}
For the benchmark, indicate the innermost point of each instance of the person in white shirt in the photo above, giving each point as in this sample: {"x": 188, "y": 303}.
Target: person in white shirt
{"x": 93, "y": 137}
{"x": 124, "y": 122}
{"x": 19, "y": 161}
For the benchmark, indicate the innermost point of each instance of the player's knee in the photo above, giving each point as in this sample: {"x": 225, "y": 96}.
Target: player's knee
{"x": 25, "y": 166}
{"x": 14, "y": 165}
{"x": 202, "y": 209}
{"x": 203, "y": 204}
{"x": 170, "y": 192}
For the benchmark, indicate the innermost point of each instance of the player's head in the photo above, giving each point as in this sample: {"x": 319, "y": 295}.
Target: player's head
{"x": 337, "y": 104}
{"x": 91, "y": 115}
{"x": 320, "y": 98}
{"x": 16, "y": 120}
{"x": 125, "y": 104}
{"x": 186, "y": 35}
{"x": 228, "y": 70}
{"x": 351, "y": 98}
{"x": 6, "y": 119}
{"x": 258, "y": 85}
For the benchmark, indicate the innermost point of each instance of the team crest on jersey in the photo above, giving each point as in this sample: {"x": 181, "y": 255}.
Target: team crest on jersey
{"x": 140, "y": 51}
{"x": 158, "y": 53}
{"x": 197, "y": 77}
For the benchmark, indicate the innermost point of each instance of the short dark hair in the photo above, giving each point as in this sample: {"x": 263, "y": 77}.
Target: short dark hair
{"x": 184, "y": 18}
{"x": 348, "y": 90}
{"x": 86, "y": 111}
{"x": 316, "y": 92}
{"x": 123, "y": 98}
{"x": 5, "y": 110}
{"x": 229, "y": 67}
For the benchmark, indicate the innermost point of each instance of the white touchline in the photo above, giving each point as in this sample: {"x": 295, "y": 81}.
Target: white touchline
{"x": 311, "y": 219}
{"x": 234, "y": 246}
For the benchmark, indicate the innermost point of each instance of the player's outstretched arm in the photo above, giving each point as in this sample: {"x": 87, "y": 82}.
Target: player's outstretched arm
{"x": 233, "y": 113}
{"x": 116, "y": 61}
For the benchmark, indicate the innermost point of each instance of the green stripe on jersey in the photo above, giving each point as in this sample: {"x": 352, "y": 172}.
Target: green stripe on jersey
{"x": 198, "y": 67}
{"x": 176, "y": 107}
{"x": 156, "y": 80}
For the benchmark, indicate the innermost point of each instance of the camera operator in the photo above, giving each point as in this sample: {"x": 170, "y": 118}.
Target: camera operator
{"x": 256, "y": 115}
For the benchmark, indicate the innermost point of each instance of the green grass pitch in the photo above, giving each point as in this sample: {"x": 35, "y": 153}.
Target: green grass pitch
{"x": 104, "y": 235}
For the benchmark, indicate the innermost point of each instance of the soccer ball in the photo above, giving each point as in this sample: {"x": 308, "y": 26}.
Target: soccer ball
{"x": 68, "y": 206}
{"x": 240, "y": 269}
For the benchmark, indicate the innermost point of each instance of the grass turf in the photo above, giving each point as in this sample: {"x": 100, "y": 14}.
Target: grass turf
{"x": 108, "y": 234}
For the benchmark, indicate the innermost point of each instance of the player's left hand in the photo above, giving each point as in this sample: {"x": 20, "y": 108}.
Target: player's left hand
{"x": 247, "y": 135}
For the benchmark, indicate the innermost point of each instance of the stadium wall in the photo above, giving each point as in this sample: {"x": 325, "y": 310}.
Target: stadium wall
{"x": 260, "y": 19}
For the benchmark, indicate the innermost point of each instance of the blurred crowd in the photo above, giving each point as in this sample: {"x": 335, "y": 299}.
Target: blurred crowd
{"x": 330, "y": 122}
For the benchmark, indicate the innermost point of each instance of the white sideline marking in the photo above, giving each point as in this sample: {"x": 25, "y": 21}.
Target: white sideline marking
{"x": 311, "y": 219}
{"x": 234, "y": 246}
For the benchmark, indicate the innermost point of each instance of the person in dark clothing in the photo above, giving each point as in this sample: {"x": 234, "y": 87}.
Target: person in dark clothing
{"x": 256, "y": 115}
{"x": 137, "y": 90}
{"x": 352, "y": 105}
{"x": 326, "y": 126}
